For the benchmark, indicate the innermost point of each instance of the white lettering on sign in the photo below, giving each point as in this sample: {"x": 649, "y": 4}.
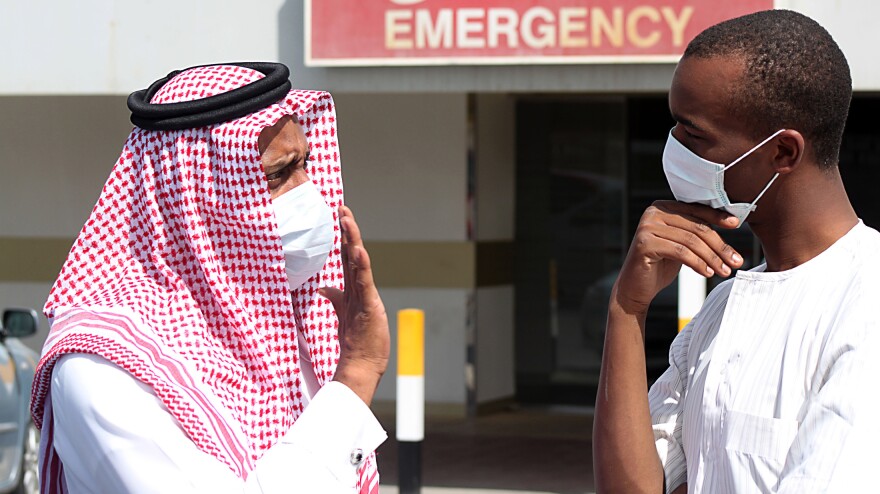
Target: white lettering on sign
{"x": 502, "y": 22}
{"x": 436, "y": 34}
{"x": 535, "y": 33}
{"x": 395, "y": 24}
{"x": 677, "y": 24}
{"x": 610, "y": 29}
{"x": 573, "y": 27}
{"x": 537, "y": 27}
{"x": 469, "y": 21}
{"x": 632, "y": 26}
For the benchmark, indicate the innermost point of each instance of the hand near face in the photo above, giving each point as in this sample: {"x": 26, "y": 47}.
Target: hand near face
{"x": 364, "y": 336}
{"x": 670, "y": 234}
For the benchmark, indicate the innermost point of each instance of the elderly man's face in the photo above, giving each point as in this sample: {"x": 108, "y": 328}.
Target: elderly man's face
{"x": 284, "y": 152}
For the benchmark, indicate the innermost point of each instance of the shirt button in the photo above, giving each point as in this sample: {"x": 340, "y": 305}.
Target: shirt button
{"x": 357, "y": 456}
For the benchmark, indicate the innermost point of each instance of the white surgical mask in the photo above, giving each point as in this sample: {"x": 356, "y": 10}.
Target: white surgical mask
{"x": 306, "y": 228}
{"x": 694, "y": 179}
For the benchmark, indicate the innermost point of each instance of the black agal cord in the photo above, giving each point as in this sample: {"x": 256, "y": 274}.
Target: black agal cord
{"x": 213, "y": 109}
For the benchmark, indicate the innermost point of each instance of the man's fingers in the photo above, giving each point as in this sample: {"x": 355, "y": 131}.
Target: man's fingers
{"x": 346, "y": 268}
{"x": 351, "y": 241}
{"x": 673, "y": 215}
{"x": 359, "y": 281}
{"x": 711, "y": 216}
{"x": 352, "y": 231}
{"x": 364, "y": 284}
{"x": 695, "y": 227}
{"x": 667, "y": 249}
{"x": 688, "y": 241}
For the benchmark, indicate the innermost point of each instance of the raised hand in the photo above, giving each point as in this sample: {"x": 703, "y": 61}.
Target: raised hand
{"x": 364, "y": 336}
{"x": 670, "y": 234}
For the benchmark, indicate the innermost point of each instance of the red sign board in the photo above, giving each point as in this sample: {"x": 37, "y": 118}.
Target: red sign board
{"x": 476, "y": 32}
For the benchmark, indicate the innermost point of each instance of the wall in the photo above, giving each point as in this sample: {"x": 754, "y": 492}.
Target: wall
{"x": 403, "y": 157}
{"x": 55, "y": 155}
{"x": 115, "y": 47}
{"x": 405, "y": 173}
{"x": 404, "y": 166}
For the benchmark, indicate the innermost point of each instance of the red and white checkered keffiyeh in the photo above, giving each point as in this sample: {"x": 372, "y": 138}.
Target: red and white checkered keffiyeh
{"x": 178, "y": 277}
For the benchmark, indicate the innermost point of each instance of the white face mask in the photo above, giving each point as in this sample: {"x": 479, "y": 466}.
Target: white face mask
{"x": 306, "y": 228}
{"x": 694, "y": 179}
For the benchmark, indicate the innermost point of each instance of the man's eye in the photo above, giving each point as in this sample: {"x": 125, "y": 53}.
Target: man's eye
{"x": 279, "y": 174}
{"x": 690, "y": 134}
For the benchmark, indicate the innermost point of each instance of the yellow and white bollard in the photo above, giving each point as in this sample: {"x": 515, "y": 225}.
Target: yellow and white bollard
{"x": 691, "y": 295}
{"x": 410, "y": 398}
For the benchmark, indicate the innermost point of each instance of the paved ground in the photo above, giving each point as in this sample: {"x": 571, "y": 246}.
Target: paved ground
{"x": 521, "y": 451}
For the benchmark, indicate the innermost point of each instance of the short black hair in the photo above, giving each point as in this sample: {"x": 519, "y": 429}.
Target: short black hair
{"x": 796, "y": 77}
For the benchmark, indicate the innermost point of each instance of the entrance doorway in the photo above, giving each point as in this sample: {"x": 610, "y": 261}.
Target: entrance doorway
{"x": 586, "y": 169}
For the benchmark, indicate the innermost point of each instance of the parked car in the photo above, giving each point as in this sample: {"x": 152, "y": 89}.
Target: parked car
{"x": 19, "y": 438}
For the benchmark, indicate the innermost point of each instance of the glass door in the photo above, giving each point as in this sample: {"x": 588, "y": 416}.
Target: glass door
{"x": 570, "y": 240}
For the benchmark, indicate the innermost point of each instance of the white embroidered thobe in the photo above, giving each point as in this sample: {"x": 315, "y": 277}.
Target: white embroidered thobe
{"x": 773, "y": 385}
{"x": 114, "y": 435}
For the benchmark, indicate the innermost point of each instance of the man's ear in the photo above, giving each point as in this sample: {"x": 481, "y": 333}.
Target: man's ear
{"x": 789, "y": 149}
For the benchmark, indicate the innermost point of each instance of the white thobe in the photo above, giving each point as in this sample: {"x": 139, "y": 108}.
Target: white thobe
{"x": 773, "y": 385}
{"x": 113, "y": 434}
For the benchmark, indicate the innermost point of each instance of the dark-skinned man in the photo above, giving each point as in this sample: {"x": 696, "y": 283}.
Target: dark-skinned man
{"x": 769, "y": 388}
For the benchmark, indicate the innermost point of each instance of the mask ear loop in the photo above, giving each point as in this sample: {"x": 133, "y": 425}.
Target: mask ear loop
{"x": 750, "y": 151}
{"x": 752, "y": 206}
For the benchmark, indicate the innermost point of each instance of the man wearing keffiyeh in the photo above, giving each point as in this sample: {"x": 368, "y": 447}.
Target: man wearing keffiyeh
{"x": 195, "y": 344}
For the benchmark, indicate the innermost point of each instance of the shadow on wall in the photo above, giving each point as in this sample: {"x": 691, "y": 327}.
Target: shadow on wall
{"x": 291, "y": 36}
